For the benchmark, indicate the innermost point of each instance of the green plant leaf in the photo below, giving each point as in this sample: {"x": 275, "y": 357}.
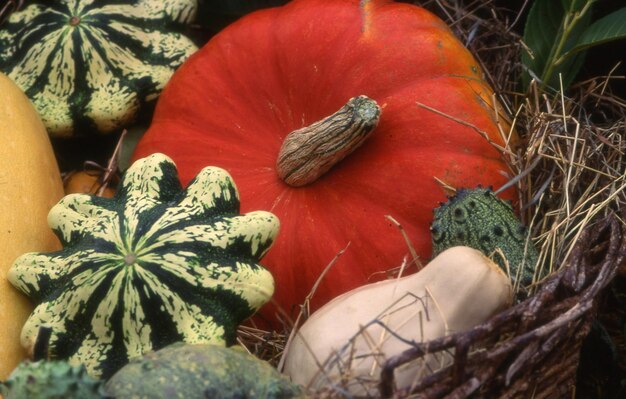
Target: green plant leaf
{"x": 574, "y": 4}
{"x": 548, "y": 38}
{"x": 543, "y": 26}
{"x": 606, "y": 29}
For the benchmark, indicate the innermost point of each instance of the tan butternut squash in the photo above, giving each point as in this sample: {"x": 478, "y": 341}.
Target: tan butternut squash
{"x": 346, "y": 341}
{"x": 30, "y": 185}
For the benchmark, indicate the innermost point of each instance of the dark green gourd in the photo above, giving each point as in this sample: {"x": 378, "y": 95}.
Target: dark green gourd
{"x": 89, "y": 65}
{"x": 477, "y": 218}
{"x": 152, "y": 266}
{"x": 50, "y": 380}
{"x": 200, "y": 371}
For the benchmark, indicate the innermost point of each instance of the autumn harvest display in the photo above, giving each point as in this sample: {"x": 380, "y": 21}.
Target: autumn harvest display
{"x": 379, "y": 84}
{"x": 311, "y": 199}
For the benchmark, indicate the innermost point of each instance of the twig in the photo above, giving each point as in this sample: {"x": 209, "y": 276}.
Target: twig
{"x": 415, "y": 259}
{"x": 112, "y": 165}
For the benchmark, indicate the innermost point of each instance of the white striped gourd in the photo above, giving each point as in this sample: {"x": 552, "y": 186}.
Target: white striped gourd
{"x": 90, "y": 64}
{"x": 152, "y": 266}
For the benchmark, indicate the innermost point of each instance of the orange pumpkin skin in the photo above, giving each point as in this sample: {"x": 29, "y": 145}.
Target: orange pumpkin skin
{"x": 277, "y": 70}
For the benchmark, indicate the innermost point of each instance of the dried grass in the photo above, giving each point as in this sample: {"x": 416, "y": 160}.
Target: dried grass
{"x": 570, "y": 168}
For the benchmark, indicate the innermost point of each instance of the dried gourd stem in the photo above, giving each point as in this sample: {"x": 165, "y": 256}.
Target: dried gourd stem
{"x": 308, "y": 153}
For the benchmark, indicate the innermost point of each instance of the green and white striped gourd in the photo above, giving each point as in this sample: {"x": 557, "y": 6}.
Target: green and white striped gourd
{"x": 89, "y": 65}
{"x": 152, "y": 266}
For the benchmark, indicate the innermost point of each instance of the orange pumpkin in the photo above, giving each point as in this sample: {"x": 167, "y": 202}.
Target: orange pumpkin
{"x": 233, "y": 103}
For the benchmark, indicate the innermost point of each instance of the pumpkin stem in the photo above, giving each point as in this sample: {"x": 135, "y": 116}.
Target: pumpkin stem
{"x": 308, "y": 153}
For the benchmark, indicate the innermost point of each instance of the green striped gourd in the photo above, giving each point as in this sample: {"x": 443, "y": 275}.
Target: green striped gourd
{"x": 89, "y": 65}
{"x": 152, "y": 266}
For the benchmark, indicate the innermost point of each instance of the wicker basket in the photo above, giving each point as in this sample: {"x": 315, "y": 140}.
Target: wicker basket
{"x": 533, "y": 347}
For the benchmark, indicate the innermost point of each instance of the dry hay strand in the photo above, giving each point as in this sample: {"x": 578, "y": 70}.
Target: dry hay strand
{"x": 576, "y": 174}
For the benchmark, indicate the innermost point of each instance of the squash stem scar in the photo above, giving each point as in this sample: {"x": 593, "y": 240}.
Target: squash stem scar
{"x": 130, "y": 259}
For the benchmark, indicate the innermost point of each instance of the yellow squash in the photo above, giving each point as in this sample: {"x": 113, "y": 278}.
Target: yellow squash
{"x": 30, "y": 184}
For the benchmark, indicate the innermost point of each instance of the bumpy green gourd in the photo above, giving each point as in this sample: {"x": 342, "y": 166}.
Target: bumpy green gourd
{"x": 89, "y": 65}
{"x": 479, "y": 219}
{"x": 50, "y": 380}
{"x": 200, "y": 371}
{"x": 152, "y": 266}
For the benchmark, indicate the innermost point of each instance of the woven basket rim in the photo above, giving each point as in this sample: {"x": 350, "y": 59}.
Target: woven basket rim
{"x": 535, "y": 326}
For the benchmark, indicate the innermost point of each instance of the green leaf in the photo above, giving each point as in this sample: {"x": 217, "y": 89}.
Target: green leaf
{"x": 611, "y": 27}
{"x": 543, "y": 25}
{"x": 574, "y": 5}
{"x": 548, "y": 38}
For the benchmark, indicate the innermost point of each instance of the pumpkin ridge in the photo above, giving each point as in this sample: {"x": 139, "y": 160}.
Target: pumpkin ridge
{"x": 200, "y": 274}
{"x": 79, "y": 94}
{"x": 451, "y": 79}
{"x": 291, "y": 8}
{"x": 31, "y": 38}
{"x": 69, "y": 219}
{"x": 228, "y": 140}
{"x": 229, "y": 234}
